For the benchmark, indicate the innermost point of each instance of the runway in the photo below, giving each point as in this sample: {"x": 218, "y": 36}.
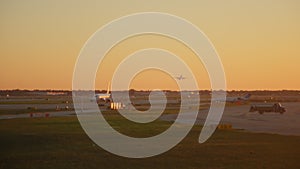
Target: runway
{"x": 34, "y": 115}
{"x": 240, "y": 118}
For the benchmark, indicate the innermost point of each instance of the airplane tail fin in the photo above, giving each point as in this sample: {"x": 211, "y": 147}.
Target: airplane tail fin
{"x": 108, "y": 87}
{"x": 248, "y": 96}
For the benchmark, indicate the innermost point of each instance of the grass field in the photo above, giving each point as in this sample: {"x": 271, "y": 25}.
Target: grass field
{"x": 46, "y": 143}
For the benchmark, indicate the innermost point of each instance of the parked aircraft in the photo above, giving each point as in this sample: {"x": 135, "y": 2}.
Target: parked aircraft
{"x": 104, "y": 96}
{"x": 235, "y": 99}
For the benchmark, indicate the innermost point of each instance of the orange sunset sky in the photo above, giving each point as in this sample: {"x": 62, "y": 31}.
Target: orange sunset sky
{"x": 258, "y": 41}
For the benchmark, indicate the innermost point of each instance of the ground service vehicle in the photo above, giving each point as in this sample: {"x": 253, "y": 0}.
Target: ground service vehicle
{"x": 261, "y": 108}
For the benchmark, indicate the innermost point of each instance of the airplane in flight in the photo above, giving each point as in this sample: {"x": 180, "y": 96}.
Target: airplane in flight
{"x": 235, "y": 99}
{"x": 180, "y": 77}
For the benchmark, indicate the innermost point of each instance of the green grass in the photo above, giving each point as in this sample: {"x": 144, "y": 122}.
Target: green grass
{"x": 46, "y": 143}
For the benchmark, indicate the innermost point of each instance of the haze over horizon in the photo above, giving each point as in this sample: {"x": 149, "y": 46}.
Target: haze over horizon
{"x": 257, "y": 41}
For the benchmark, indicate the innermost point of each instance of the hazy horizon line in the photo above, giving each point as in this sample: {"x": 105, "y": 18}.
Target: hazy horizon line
{"x": 70, "y": 90}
